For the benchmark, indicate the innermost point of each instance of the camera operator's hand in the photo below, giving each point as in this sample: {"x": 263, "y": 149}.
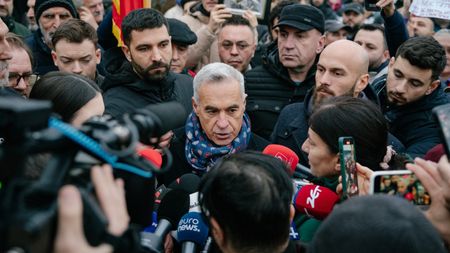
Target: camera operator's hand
{"x": 436, "y": 180}
{"x": 111, "y": 195}
{"x": 364, "y": 174}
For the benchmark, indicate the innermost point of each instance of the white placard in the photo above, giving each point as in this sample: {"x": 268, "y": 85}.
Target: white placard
{"x": 431, "y": 8}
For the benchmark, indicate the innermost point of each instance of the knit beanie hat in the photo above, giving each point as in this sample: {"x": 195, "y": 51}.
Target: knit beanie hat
{"x": 42, "y": 5}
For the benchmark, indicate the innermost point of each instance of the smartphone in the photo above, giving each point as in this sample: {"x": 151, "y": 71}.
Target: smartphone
{"x": 401, "y": 183}
{"x": 370, "y": 5}
{"x": 348, "y": 167}
{"x": 442, "y": 115}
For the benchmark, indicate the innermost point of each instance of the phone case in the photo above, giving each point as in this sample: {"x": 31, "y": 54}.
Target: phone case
{"x": 348, "y": 166}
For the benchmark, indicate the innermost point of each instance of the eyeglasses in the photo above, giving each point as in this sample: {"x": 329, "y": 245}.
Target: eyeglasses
{"x": 28, "y": 78}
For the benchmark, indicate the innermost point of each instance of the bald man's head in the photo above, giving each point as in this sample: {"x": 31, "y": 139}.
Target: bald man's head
{"x": 342, "y": 70}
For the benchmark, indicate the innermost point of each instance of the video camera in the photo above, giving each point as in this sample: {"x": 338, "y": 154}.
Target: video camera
{"x": 28, "y": 207}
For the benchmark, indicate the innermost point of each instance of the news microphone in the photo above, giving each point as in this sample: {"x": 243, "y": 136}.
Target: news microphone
{"x": 188, "y": 182}
{"x": 288, "y": 156}
{"x": 173, "y": 205}
{"x": 192, "y": 232}
{"x": 315, "y": 201}
{"x": 151, "y": 155}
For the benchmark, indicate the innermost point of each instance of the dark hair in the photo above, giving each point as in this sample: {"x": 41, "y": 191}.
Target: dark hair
{"x": 372, "y": 28}
{"x": 17, "y": 42}
{"x": 276, "y": 11}
{"x": 68, "y": 92}
{"x": 249, "y": 195}
{"x": 359, "y": 118}
{"x": 140, "y": 20}
{"x": 236, "y": 20}
{"x": 425, "y": 53}
{"x": 75, "y": 31}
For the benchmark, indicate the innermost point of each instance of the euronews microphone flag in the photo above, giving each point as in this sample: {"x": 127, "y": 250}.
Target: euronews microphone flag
{"x": 120, "y": 9}
{"x": 192, "y": 232}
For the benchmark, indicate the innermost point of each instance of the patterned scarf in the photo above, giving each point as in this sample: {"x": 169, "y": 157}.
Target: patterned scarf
{"x": 201, "y": 153}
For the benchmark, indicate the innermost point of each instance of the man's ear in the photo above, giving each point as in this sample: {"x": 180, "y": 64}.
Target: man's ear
{"x": 54, "y": 57}
{"x": 433, "y": 86}
{"x": 98, "y": 56}
{"x": 320, "y": 44}
{"x": 194, "y": 105}
{"x": 217, "y": 233}
{"x": 362, "y": 83}
{"x": 126, "y": 52}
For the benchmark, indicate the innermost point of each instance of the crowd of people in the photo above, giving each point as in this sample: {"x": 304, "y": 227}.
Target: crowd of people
{"x": 309, "y": 73}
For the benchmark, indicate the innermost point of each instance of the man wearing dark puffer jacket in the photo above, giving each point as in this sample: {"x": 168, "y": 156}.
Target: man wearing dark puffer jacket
{"x": 140, "y": 75}
{"x": 288, "y": 67}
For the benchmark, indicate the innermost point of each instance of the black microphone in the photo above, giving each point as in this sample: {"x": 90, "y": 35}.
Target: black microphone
{"x": 173, "y": 206}
{"x": 188, "y": 182}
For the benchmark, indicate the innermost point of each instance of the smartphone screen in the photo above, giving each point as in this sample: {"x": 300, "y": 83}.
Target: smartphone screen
{"x": 348, "y": 167}
{"x": 402, "y": 184}
{"x": 370, "y": 5}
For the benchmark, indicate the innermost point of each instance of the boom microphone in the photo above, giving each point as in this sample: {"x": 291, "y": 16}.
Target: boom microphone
{"x": 288, "y": 156}
{"x": 192, "y": 232}
{"x": 315, "y": 201}
{"x": 174, "y": 204}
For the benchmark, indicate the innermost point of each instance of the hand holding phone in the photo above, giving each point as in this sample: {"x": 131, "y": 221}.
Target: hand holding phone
{"x": 348, "y": 167}
{"x": 401, "y": 183}
{"x": 370, "y": 5}
{"x": 442, "y": 115}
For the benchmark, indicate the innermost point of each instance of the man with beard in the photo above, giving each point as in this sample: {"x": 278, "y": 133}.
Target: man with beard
{"x": 337, "y": 75}
{"x": 411, "y": 90}
{"x": 6, "y": 10}
{"x": 49, "y": 16}
{"x": 144, "y": 77}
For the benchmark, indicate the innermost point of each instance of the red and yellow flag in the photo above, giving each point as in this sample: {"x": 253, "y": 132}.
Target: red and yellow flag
{"x": 120, "y": 9}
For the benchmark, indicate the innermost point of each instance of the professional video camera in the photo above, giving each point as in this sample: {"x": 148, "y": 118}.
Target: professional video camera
{"x": 28, "y": 207}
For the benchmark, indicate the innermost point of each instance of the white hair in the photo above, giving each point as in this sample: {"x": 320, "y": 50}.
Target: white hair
{"x": 216, "y": 72}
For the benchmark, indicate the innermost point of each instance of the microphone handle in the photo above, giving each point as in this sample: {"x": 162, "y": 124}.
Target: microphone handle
{"x": 303, "y": 172}
{"x": 188, "y": 247}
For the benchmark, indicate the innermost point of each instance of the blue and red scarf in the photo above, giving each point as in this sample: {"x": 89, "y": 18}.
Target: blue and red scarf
{"x": 201, "y": 153}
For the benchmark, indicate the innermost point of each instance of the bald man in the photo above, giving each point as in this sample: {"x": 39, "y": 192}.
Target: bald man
{"x": 337, "y": 75}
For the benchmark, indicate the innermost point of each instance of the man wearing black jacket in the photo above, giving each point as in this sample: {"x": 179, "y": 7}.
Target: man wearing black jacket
{"x": 288, "y": 67}
{"x": 144, "y": 77}
{"x": 218, "y": 125}
{"x": 410, "y": 91}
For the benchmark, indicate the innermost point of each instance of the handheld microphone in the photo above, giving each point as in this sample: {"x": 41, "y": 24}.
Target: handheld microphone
{"x": 187, "y": 182}
{"x": 174, "y": 204}
{"x": 192, "y": 232}
{"x": 315, "y": 201}
{"x": 151, "y": 155}
{"x": 288, "y": 156}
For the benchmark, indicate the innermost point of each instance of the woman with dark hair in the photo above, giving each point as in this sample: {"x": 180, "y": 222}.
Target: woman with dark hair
{"x": 75, "y": 98}
{"x": 334, "y": 118}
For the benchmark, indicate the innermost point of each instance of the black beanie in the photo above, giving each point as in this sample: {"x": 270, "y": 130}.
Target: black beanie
{"x": 42, "y": 5}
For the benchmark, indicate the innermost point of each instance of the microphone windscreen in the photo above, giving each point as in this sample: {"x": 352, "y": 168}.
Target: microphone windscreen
{"x": 187, "y": 182}
{"x": 173, "y": 206}
{"x": 167, "y": 115}
{"x": 151, "y": 155}
{"x": 192, "y": 228}
{"x": 315, "y": 201}
{"x": 283, "y": 153}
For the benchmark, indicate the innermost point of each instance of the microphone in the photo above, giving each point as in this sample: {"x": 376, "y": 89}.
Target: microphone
{"x": 315, "y": 201}
{"x": 174, "y": 204}
{"x": 151, "y": 155}
{"x": 288, "y": 156}
{"x": 188, "y": 182}
{"x": 192, "y": 232}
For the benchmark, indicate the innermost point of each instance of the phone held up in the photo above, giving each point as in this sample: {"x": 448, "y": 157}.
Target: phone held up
{"x": 442, "y": 115}
{"x": 370, "y": 5}
{"x": 348, "y": 167}
{"x": 400, "y": 183}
